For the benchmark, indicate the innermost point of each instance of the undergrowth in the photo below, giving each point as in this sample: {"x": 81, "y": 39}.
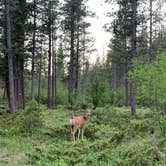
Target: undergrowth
{"x": 112, "y": 137}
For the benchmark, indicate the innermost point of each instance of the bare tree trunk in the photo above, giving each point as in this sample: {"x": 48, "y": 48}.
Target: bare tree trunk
{"x": 132, "y": 97}
{"x": 19, "y": 83}
{"x": 126, "y": 84}
{"x": 134, "y": 53}
{"x": 22, "y": 84}
{"x": 114, "y": 79}
{"x": 53, "y": 70}
{"x": 77, "y": 62}
{"x": 126, "y": 66}
{"x": 33, "y": 49}
{"x": 19, "y": 73}
{"x": 150, "y": 33}
{"x": 10, "y": 58}
{"x": 84, "y": 61}
{"x": 72, "y": 56}
{"x": 49, "y": 68}
{"x": 40, "y": 68}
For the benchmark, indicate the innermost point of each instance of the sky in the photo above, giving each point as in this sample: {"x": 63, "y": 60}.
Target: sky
{"x": 101, "y": 37}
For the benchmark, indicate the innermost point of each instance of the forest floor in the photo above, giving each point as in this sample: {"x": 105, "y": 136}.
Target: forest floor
{"x": 112, "y": 137}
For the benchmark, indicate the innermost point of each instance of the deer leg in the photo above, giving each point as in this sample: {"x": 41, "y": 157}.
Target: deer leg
{"x": 82, "y": 133}
{"x": 73, "y": 131}
{"x": 79, "y": 131}
{"x": 74, "y": 138}
{"x": 72, "y": 135}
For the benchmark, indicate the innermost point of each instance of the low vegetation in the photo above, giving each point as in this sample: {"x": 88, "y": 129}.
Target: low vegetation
{"x": 112, "y": 137}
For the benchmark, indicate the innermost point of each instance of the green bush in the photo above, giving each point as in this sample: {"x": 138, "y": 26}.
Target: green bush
{"x": 33, "y": 106}
{"x": 24, "y": 121}
{"x": 137, "y": 152}
{"x": 117, "y": 97}
{"x": 31, "y": 121}
{"x": 33, "y": 116}
{"x": 99, "y": 93}
{"x": 97, "y": 153}
{"x": 62, "y": 94}
{"x": 60, "y": 131}
{"x": 81, "y": 100}
{"x": 150, "y": 82}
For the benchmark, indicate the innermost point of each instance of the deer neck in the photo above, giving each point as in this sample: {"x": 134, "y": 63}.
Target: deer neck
{"x": 86, "y": 118}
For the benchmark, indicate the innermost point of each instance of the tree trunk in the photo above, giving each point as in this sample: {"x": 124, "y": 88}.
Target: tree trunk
{"x": 77, "y": 62}
{"x": 72, "y": 56}
{"x": 40, "y": 68}
{"x": 49, "y": 67}
{"x": 114, "y": 79}
{"x": 150, "y": 33}
{"x": 10, "y": 58}
{"x": 19, "y": 82}
{"x": 126, "y": 84}
{"x": 53, "y": 70}
{"x": 132, "y": 97}
{"x": 19, "y": 71}
{"x": 84, "y": 60}
{"x": 33, "y": 49}
{"x": 134, "y": 53}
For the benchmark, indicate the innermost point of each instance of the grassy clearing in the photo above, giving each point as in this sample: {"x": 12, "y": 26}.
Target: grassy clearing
{"x": 112, "y": 137}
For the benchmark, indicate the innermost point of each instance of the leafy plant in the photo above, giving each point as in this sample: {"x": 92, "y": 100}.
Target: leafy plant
{"x": 33, "y": 106}
{"x": 99, "y": 93}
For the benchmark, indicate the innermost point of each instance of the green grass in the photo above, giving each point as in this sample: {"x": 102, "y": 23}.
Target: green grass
{"x": 112, "y": 137}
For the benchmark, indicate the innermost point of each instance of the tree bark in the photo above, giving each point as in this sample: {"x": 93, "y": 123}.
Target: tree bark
{"x": 134, "y": 54}
{"x": 49, "y": 67}
{"x": 53, "y": 70}
{"x": 114, "y": 79}
{"x": 132, "y": 97}
{"x": 126, "y": 84}
{"x": 19, "y": 67}
{"x": 126, "y": 68}
{"x": 150, "y": 32}
{"x": 72, "y": 55}
{"x": 19, "y": 82}
{"x": 77, "y": 62}
{"x": 10, "y": 58}
{"x": 40, "y": 68}
{"x": 33, "y": 50}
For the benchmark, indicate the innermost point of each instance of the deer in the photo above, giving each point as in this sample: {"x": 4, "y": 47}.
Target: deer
{"x": 78, "y": 123}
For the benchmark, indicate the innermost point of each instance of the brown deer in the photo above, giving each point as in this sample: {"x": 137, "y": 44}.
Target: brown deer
{"x": 77, "y": 123}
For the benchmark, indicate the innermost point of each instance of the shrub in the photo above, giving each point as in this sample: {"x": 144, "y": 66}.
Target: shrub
{"x": 150, "y": 81}
{"x": 33, "y": 106}
{"x": 33, "y": 116}
{"x": 117, "y": 97}
{"x": 99, "y": 93}
{"x": 62, "y": 94}
{"x": 31, "y": 121}
{"x": 81, "y": 100}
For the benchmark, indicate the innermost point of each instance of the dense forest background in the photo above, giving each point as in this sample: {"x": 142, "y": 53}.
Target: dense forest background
{"x": 46, "y": 75}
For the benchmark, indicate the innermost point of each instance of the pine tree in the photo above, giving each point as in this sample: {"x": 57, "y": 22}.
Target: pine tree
{"x": 134, "y": 54}
{"x": 74, "y": 11}
{"x": 10, "y": 58}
